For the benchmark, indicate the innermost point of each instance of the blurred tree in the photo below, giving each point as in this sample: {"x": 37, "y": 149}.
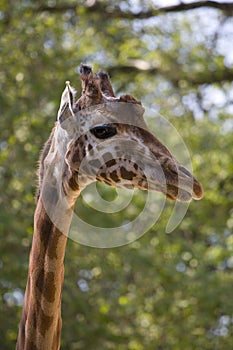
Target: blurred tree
{"x": 163, "y": 291}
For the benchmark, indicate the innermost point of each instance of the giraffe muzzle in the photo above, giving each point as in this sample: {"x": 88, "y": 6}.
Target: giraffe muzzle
{"x": 181, "y": 184}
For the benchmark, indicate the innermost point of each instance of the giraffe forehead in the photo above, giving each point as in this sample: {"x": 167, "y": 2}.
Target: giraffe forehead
{"x": 112, "y": 112}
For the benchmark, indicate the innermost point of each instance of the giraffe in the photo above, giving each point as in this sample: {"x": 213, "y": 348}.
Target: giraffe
{"x": 91, "y": 122}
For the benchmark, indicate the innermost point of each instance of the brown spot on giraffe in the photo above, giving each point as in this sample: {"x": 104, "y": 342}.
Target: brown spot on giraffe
{"x": 48, "y": 279}
{"x": 115, "y": 178}
{"x": 127, "y": 175}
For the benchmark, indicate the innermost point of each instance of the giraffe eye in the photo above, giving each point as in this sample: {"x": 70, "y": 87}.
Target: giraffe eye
{"x": 104, "y": 131}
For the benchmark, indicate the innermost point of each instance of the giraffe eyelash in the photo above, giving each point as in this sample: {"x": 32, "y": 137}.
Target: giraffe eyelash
{"x": 104, "y": 131}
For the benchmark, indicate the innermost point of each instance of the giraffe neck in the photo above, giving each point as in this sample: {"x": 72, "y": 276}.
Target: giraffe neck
{"x": 40, "y": 325}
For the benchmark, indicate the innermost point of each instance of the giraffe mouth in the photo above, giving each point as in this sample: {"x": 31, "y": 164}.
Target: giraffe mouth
{"x": 177, "y": 193}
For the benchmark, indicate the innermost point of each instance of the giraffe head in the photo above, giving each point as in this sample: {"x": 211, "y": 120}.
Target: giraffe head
{"x": 109, "y": 141}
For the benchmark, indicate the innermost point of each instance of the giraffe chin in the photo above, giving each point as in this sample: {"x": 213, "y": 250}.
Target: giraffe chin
{"x": 182, "y": 196}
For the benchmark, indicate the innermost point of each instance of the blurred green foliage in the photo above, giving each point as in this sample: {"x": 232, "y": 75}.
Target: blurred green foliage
{"x": 164, "y": 291}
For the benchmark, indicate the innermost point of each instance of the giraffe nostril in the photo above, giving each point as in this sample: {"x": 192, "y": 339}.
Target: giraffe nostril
{"x": 184, "y": 171}
{"x": 171, "y": 165}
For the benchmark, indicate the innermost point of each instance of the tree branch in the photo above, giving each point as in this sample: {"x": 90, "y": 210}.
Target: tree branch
{"x": 220, "y": 76}
{"x": 116, "y": 12}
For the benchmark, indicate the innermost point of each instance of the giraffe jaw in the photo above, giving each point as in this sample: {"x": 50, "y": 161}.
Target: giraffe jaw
{"x": 175, "y": 182}
{"x": 163, "y": 175}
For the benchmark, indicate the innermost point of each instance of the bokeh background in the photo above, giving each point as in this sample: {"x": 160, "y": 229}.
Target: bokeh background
{"x": 164, "y": 291}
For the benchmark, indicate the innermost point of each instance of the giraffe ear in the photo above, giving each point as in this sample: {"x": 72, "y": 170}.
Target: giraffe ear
{"x": 67, "y": 104}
